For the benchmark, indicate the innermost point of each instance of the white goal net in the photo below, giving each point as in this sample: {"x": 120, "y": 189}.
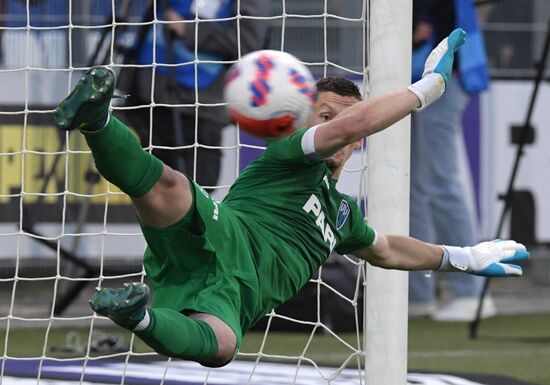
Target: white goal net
{"x": 65, "y": 231}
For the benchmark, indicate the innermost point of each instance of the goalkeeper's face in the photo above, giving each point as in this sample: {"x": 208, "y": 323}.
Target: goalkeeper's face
{"x": 328, "y": 105}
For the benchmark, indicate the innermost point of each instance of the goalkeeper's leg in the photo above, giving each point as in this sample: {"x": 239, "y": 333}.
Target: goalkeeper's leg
{"x": 162, "y": 197}
{"x": 200, "y": 337}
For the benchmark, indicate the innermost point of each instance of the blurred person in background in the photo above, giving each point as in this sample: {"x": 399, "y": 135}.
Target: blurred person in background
{"x": 439, "y": 211}
{"x": 176, "y": 43}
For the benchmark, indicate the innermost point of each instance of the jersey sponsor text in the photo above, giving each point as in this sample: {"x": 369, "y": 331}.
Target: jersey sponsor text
{"x": 313, "y": 205}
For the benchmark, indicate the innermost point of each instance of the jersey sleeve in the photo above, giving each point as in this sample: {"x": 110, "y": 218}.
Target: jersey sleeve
{"x": 295, "y": 148}
{"x": 361, "y": 235}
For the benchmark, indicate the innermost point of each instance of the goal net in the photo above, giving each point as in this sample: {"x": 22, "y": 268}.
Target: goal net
{"x": 64, "y": 230}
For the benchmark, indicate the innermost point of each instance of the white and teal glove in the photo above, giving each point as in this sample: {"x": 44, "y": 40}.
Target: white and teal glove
{"x": 437, "y": 69}
{"x": 489, "y": 259}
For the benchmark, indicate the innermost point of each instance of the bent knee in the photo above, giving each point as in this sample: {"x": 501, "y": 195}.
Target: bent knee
{"x": 227, "y": 346}
{"x": 167, "y": 202}
{"x": 225, "y": 337}
{"x": 171, "y": 178}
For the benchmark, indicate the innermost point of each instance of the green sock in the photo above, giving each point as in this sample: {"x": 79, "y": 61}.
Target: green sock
{"x": 120, "y": 159}
{"x": 174, "y": 335}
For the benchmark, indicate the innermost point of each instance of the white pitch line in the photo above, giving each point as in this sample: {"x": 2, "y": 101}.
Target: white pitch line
{"x": 447, "y": 353}
{"x": 480, "y": 353}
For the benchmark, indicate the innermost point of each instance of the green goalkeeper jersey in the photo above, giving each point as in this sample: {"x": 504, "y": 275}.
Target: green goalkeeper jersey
{"x": 240, "y": 258}
{"x": 295, "y": 216}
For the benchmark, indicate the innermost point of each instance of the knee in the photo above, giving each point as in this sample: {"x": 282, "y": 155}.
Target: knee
{"x": 170, "y": 182}
{"x": 225, "y": 337}
{"x": 227, "y": 346}
{"x": 171, "y": 178}
{"x": 167, "y": 202}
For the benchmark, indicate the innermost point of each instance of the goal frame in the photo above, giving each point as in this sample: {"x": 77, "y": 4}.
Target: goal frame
{"x": 386, "y": 296}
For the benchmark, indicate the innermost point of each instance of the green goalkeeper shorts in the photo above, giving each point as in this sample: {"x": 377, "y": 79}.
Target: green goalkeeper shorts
{"x": 204, "y": 263}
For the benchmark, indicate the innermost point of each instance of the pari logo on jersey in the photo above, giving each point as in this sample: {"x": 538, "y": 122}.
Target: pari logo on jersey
{"x": 313, "y": 205}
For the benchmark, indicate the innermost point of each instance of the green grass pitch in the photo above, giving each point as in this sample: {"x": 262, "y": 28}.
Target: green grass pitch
{"x": 515, "y": 346}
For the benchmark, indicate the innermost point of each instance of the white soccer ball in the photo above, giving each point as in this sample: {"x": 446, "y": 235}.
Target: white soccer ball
{"x": 269, "y": 93}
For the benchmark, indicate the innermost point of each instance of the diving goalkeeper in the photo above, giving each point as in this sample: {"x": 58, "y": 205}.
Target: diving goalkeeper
{"x": 217, "y": 268}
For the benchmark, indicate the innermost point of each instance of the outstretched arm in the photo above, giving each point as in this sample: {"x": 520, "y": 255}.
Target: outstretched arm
{"x": 363, "y": 119}
{"x": 492, "y": 259}
{"x": 373, "y": 115}
{"x": 402, "y": 253}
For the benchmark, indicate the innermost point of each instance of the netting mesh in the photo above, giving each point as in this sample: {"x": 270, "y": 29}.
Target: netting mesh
{"x": 64, "y": 230}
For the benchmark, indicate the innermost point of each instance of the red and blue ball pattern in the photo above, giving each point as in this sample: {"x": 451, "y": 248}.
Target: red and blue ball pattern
{"x": 269, "y": 93}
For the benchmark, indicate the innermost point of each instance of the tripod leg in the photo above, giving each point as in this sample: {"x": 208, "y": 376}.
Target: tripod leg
{"x": 541, "y": 66}
{"x": 474, "y": 325}
{"x": 73, "y": 290}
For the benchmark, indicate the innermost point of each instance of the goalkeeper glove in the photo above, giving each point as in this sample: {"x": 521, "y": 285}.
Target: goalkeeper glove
{"x": 437, "y": 69}
{"x": 489, "y": 259}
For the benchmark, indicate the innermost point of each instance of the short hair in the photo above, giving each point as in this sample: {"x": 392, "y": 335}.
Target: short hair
{"x": 340, "y": 86}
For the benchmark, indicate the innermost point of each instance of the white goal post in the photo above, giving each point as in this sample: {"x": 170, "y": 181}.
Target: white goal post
{"x": 389, "y": 52}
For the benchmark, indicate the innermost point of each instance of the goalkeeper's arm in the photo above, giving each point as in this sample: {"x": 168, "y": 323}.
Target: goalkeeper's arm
{"x": 492, "y": 259}
{"x": 373, "y": 115}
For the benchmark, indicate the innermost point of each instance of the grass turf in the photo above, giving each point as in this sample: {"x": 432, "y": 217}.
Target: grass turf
{"x": 515, "y": 346}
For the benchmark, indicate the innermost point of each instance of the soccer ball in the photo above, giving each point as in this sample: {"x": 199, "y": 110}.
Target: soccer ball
{"x": 269, "y": 93}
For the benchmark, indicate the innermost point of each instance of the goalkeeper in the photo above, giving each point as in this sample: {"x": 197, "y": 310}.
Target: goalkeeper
{"x": 217, "y": 268}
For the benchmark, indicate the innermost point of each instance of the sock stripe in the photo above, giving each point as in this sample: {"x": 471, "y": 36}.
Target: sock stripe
{"x": 142, "y": 325}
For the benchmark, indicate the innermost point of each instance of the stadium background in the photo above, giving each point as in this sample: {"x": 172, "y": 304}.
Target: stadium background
{"x": 513, "y": 40}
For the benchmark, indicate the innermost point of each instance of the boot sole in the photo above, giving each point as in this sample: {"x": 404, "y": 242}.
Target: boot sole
{"x": 124, "y": 301}
{"x": 95, "y": 86}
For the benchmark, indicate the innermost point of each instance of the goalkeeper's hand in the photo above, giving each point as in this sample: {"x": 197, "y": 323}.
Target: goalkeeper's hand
{"x": 437, "y": 69}
{"x": 490, "y": 259}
